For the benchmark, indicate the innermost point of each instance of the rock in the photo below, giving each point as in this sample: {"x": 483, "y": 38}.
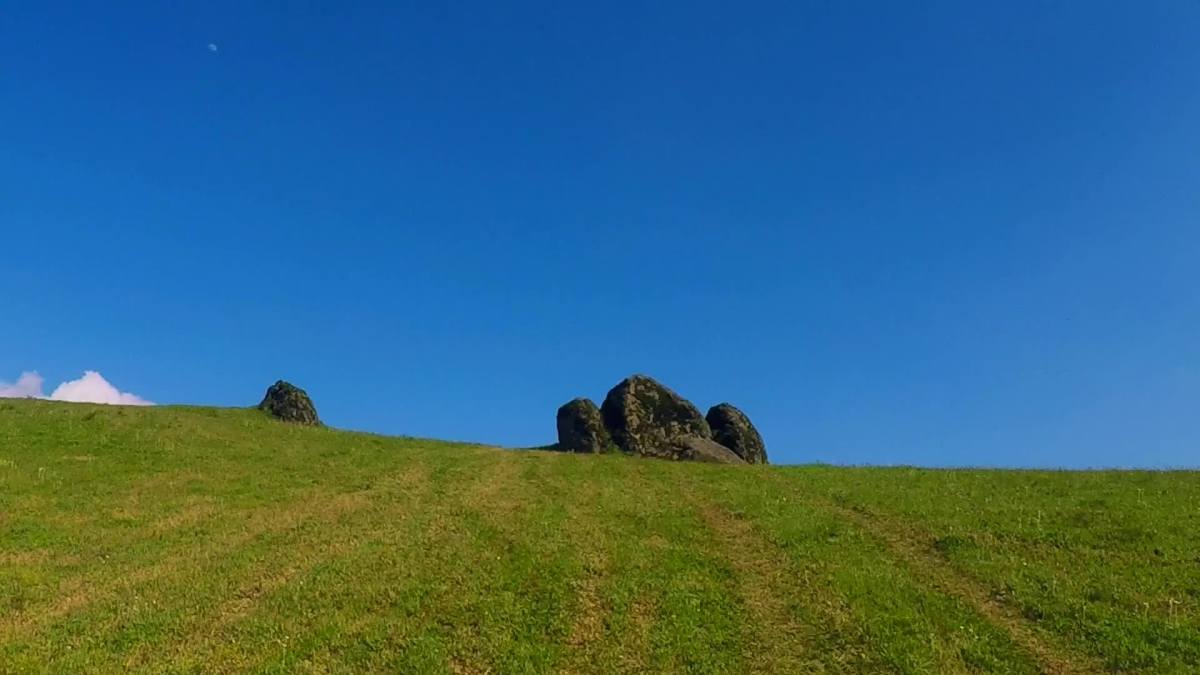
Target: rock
{"x": 646, "y": 418}
{"x": 290, "y": 404}
{"x": 703, "y": 450}
{"x": 732, "y": 429}
{"x": 581, "y": 429}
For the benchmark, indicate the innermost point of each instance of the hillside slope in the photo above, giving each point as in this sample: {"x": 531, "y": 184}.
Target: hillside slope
{"x": 183, "y": 539}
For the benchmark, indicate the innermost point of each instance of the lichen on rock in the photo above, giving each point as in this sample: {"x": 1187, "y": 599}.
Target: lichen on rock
{"x": 289, "y": 403}
{"x": 646, "y": 418}
{"x": 580, "y": 428}
{"x": 732, "y": 429}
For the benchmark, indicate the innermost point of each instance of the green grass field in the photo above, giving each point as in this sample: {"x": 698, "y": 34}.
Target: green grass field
{"x": 216, "y": 540}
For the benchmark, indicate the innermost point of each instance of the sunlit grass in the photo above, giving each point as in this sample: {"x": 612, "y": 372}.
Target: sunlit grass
{"x": 189, "y": 539}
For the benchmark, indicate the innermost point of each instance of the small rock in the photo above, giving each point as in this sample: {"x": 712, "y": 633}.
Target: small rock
{"x": 581, "y": 429}
{"x": 696, "y": 449}
{"x": 731, "y": 428}
{"x": 289, "y": 403}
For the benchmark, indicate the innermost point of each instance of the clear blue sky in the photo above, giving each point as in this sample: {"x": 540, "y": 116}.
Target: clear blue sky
{"x": 938, "y": 233}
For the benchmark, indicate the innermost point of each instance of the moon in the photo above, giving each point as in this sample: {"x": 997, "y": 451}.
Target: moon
{"x": 212, "y": 47}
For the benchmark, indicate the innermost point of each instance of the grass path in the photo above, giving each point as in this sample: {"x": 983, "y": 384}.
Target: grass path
{"x": 1091, "y": 571}
{"x": 914, "y": 549}
{"x": 774, "y": 640}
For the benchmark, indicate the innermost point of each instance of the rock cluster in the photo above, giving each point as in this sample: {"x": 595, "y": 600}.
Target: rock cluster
{"x": 641, "y": 416}
{"x": 289, "y": 403}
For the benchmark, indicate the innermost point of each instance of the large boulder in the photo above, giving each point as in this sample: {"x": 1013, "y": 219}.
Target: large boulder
{"x": 581, "y": 429}
{"x": 732, "y": 429}
{"x": 646, "y": 418}
{"x": 697, "y": 449}
{"x": 289, "y": 403}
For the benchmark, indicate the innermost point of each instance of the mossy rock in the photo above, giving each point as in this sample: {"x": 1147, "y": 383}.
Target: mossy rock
{"x": 646, "y": 418}
{"x": 581, "y": 429}
{"x": 732, "y": 429}
{"x": 289, "y": 403}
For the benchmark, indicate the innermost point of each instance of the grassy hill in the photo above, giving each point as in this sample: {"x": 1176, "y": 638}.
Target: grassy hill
{"x": 184, "y": 539}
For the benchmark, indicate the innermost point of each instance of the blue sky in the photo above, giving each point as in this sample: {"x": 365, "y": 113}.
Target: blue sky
{"x": 952, "y": 234}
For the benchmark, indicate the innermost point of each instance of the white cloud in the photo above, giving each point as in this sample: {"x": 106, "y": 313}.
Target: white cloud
{"x": 91, "y": 388}
{"x": 28, "y": 385}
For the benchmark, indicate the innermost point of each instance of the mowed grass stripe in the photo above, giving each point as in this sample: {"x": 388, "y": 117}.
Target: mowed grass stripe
{"x": 148, "y": 606}
{"x": 914, "y": 548}
{"x": 655, "y": 593}
{"x": 1103, "y": 562}
{"x": 870, "y": 613}
{"x": 382, "y": 596}
{"x": 691, "y": 602}
{"x": 773, "y": 640}
{"x": 446, "y": 596}
{"x": 110, "y": 583}
{"x": 253, "y": 577}
{"x": 571, "y": 481}
{"x": 221, "y": 542}
{"x": 615, "y": 605}
{"x": 288, "y": 633}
